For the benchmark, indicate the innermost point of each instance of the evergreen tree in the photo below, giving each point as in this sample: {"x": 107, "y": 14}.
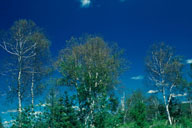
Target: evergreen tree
{"x": 71, "y": 112}
{"x": 138, "y": 114}
{"x": 137, "y": 111}
{"x": 60, "y": 113}
{"x": 24, "y": 120}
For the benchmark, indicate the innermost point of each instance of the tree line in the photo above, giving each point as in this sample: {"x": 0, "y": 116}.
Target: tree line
{"x": 91, "y": 69}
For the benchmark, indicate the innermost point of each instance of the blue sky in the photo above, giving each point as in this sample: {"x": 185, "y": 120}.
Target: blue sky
{"x": 133, "y": 24}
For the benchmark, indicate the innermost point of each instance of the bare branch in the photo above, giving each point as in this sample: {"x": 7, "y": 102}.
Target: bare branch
{"x": 30, "y": 48}
{"x": 4, "y": 46}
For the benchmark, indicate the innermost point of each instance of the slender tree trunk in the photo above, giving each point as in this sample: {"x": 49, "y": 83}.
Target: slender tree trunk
{"x": 167, "y": 108}
{"x": 90, "y": 117}
{"x": 19, "y": 90}
{"x": 123, "y": 107}
{"x": 168, "y": 114}
{"x": 32, "y": 91}
{"x": 123, "y": 102}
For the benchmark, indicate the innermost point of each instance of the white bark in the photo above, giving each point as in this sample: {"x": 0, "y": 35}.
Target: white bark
{"x": 168, "y": 114}
{"x": 19, "y": 92}
{"x": 20, "y": 47}
{"x": 167, "y": 107}
{"x": 32, "y": 91}
{"x": 22, "y": 53}
{"x": 123, "y": 102}
{"x": 90, "y": 116}
{"x": 160, "y": 72}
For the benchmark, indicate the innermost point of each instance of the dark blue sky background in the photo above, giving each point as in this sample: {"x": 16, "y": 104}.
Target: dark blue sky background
{"x": 133, "y": 24}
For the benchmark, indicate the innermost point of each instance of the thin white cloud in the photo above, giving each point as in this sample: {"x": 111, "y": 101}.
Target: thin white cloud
{"x": 152, "y": 91}
{"x": 85, "y": 3}
{"x": 189, "y": 61}
{"x": 43, "y": 105}
{"x": 8, "y": 122}
{"x": 140, "y": 77}
{"x": 186, "y": 102}
{"x": 5, "y": 122}
{"x": 9, "y": 111}
{"x": 179, "y": 95}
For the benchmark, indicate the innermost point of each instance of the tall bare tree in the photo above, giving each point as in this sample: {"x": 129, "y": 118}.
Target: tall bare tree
{"x": 40, "y": 63}
{"x": 164, "y": 72}
{"x": 21, "y": 49}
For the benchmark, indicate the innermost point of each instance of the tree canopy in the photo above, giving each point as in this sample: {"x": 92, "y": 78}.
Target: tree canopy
{"x": 80, "y": 87}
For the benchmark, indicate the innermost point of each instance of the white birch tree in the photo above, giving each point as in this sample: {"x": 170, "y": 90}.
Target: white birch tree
{"x": 93, "y": 68}
{"x": 39, "y": 64}
{"x": 164, "y": 72}
{"x": 21, "y": 50}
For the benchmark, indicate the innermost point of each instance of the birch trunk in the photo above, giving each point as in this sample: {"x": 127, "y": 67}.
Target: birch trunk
{"x": 19, "y": 90}
{"x": 168, "y": 114}
{"x": 90, "y": 116}
{"x": 32, "y": 91}
{"x": 19, "y": 85}
{"x": 167, "y": 108}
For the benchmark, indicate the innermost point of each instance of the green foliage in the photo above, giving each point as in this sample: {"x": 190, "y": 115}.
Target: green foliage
{"x": 130, "y": 125}
{"x": 61, "y": 114}
{"x": 108, "y": 116}
{"x": 28, "y": 48}
{"x": 186, "y": 122}
{"x": 138, "y": 114}
{"x": 153, "y": 108}
{"x": 1, "y": 124}
{"x": 164, "y": 73}
{"x": 93, "y": 68}
{"x": 160, "y": 124}
{"x": 183, "y": 123}
{"x": 113, "y": 103}
{"x": 25, "y": 119}
{"x": 108, "y": 120}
